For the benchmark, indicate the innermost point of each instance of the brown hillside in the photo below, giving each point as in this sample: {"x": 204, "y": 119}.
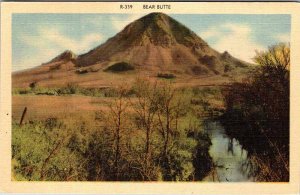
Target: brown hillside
{"x": 152, "y": 44}
{"x": 158, "y": 42}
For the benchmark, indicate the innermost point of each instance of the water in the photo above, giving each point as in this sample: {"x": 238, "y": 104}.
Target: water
{"x": 230, "y": 159}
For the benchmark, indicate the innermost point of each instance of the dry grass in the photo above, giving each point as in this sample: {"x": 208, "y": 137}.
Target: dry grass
{"x": 42, "y": 107}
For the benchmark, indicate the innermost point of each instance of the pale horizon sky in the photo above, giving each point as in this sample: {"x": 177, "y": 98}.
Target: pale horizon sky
{"x": 37, "y": 38}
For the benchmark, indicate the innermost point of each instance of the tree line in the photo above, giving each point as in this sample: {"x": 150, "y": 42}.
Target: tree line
{"x": 257, "y": 114}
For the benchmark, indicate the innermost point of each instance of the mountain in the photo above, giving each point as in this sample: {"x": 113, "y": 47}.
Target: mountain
{"x": 158, "y": 42}
{"x": 155, "y": 43}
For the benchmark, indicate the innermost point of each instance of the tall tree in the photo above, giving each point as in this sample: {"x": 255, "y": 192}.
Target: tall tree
{"x": 116, "y": 119}
{"x": 146, "y": 107}
{"x": 171, "y": 107}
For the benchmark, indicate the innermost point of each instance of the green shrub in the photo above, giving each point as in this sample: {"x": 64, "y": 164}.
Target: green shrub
{"x": 44, "y": 91}
{"x": 71, "y": 88}
{"x": 49, "y": 150}
{"x": 24, "y": 91}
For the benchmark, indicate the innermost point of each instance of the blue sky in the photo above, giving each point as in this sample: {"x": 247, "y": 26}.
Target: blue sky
{"x": 37, "y": 38}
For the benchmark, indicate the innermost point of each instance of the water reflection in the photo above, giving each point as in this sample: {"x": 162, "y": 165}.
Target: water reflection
{"x": 230, "y": 159}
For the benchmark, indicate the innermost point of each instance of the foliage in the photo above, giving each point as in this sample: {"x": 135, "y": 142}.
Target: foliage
{"x": 209, "y": 60}
{"x": 166, "y": 75}
{"x": 143, "y": 134}
{"x": 41, "y": 152}
{"x": 199, "y": 70}
{"x": 228, "y": 67}
{"x": 257, "y": 113}
{"x": 32, "y": 85}
{"x": 69, "y": 89}
{"x": 120, "y": 67}
{"x": 202, "y": 160}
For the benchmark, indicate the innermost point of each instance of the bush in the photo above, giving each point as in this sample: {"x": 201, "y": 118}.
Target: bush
{"x": 71, "y": 88}
{"x": 208, "y": 60}
{"x": 166, "y": 75}
{"x": 202, "y": 161}
{"x": 41, "y": 153}
{"x": 257, "y": 111}
{"x": 228, "y": 68}
{"x": 24, "y": 91}
{"x": 119, "y": 67}
{"x": 199, "y": 70}
{"x": 44, "y": 91}
{"x": 33, "y": 85}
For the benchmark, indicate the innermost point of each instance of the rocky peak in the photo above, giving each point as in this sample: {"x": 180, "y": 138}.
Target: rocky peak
{"x": 226, "y": 55}
{"x": 155, "y": 39}
{"x": 66, "y": 56}
{"x": 160, "y": 29}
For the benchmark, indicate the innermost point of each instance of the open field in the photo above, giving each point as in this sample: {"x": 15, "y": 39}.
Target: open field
{"x": 43, "y": 107}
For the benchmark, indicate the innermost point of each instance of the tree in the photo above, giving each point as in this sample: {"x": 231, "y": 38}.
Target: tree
{"x": 257, "y": 111}
{"x": 171, "y": 107}
{"x": 167, "y": 149}
{"x": 146, "y": 107}
{"x": 116, "y": 120}
{"x": 33, "y": 85}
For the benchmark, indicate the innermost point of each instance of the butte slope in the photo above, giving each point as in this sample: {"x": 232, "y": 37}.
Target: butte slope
{"x": 153, "y": 44}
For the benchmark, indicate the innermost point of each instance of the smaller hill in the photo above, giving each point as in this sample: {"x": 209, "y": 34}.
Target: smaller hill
{"x": 67, "y": 55}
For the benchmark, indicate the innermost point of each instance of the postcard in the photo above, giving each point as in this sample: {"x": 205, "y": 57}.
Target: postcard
{"x": 150, "y": 98}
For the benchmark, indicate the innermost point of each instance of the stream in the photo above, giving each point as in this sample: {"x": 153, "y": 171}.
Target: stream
{"x": 229, "y": 158}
